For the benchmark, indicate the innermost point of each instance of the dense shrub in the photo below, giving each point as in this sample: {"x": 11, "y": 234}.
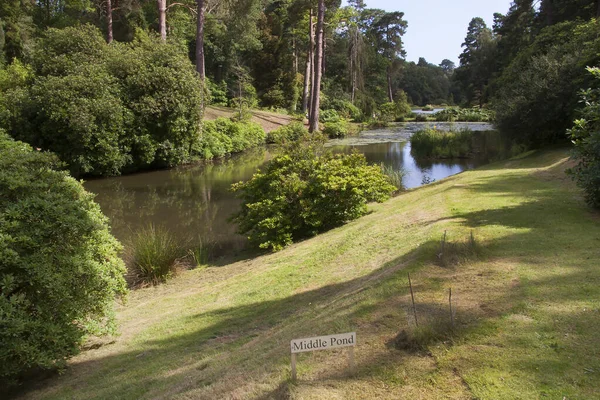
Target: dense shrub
{"x": 334, "y": 130}
{"x": 14, "y": 80}
{"x": 286, "y": 133}
{"x": 329, "y": 116}
{"x": 397, "y": 110}
{"x": 428, "y": 107}
{"x": 585, "y": 135}
{"x": 421, "y": 118}
{"x": 151, "y": 255}
{"x": 433, "y": 143}
{"x": 303, "y": 192}
{"x": 346, "y": 109}
{"x": 108, "y": 109}
{"x": 59, "y": 266}
{"x": 224, "y": 136}
{"x": 218, "y": 92}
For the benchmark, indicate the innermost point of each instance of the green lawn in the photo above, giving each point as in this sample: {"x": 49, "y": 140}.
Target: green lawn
{"x": 527, "y": 303}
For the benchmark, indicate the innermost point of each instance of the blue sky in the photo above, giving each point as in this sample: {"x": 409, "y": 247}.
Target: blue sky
{"x": 437, "y": 28}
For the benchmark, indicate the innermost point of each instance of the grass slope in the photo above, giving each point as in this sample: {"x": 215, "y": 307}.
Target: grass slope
{"x": 527, "y": 305}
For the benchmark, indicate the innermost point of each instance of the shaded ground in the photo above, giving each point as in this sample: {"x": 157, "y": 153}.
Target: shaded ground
{"x": 526, "y": 298}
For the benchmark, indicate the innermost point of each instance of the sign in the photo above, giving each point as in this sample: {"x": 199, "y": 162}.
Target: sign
{"x": 323, "y": 343}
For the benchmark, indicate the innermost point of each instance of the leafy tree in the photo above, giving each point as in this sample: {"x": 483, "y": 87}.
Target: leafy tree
{"x": 477, "y": 62}
{"x": 59, "y": 265}
{"x": 536, "y": 100}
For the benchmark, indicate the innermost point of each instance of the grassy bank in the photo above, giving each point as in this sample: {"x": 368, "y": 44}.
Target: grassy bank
{"x": 527, "y": 303}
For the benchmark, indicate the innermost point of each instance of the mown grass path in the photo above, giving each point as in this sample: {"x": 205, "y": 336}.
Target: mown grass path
{"x": 527, "y": 305}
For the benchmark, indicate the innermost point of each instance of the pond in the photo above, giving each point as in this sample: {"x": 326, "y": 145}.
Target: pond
{"x": 194, "y": 202}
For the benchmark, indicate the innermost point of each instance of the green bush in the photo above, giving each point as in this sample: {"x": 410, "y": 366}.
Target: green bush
{"x": 59, "y": 265}
{"x": 218, "y": 92}
{"x": 105, "y": 109}
{"x": 334, "y": 130}
{"x": 585, "y": 135}
{"x": 305, "y": 191}
{"x": 292, "y": 132}
{"x": 421, "y": 118}
{"x": 151, "y": 255}
{"x": 346, "y": 109}
{"x": 433, "y": 143}
{"x": 428, "y": 107}
{"x": 329, "y": 116}
{"x": 224, "y": 136}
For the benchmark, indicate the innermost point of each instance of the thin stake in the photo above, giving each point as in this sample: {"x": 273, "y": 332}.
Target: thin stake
{"x": 472, "y": 239}
{"x": 294, "y": 367}
{"x": 413, "y": 299}
{"x": 351, "y": 359}
{"x": 450, "y": 302}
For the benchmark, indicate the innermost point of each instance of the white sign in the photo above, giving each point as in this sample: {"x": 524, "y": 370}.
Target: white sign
{"x": 323, "y": 342}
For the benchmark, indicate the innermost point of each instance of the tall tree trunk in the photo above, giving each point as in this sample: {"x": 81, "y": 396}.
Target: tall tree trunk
{"x": 162, "y": 19}
{"x": 308, "y": 70}
{"x": 598, "y": 9}
{"x": 316, "y": 90}
{"x": 389, "y": 82}
{"x": 200, "y": 40}
{"x": 323, "y": 57}
{"x": 109, "y": 21}
{"x": 549, "y": 11}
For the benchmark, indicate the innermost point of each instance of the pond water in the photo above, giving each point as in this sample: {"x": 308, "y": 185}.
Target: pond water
{"x": 194, "y": 202}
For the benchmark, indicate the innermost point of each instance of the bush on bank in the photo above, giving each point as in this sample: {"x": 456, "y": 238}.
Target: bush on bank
{"x": 306, "y": 191}
{"x": 60, "y": 268}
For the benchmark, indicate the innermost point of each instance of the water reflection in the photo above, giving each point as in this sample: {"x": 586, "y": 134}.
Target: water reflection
{"x": 397, "y": 155}
{"x": 193, "y": 202}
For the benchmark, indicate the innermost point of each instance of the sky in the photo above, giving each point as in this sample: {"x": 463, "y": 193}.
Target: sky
{"x": 437, "y": 28}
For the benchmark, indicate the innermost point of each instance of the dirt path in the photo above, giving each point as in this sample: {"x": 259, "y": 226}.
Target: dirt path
{"x": 268, "y": 120}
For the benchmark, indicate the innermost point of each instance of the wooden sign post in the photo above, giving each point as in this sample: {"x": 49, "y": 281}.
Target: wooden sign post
{"x": 323, "y": 343}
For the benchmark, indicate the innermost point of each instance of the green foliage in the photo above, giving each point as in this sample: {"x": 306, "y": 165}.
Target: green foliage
{"x": 59, "y": 265}
{"x": 218, "y": 92}
{"x": 292, "y": 132}
{"x": 387, "y": 112}
{"x": 108, "y": 109}
{"x": 428, "y": 107}
{"x": 420, "y": 117}
{"x": 330, "y": 115}
{"x": 433, "y": 143}
{"x": 455, "y": 114}
{"x": 537, "y": 94}
{"x": 151, "y": 255}
{"x": 334, "y": 130}
{"x": 305, "y": 191}
{"x": 346, "y": 109}
{"x": 224, "y": 136}
{"x": 585, "y": 135}
{"x": 14, "y": 80}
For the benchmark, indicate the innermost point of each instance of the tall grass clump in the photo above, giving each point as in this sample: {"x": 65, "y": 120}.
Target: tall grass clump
{"x": 152, "y": 255}
{"x": 394, "y": 175}
{"x": 434, "y": 143}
